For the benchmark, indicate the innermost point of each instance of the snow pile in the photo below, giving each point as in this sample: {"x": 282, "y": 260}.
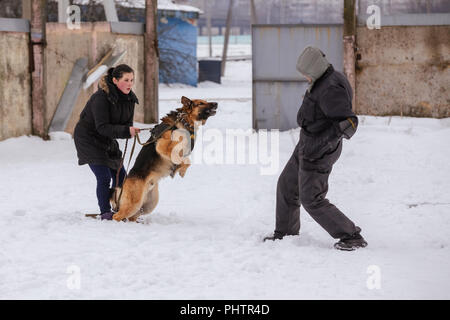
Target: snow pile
{"x": 203, "y": 241}
{"x": 60, "y": 135}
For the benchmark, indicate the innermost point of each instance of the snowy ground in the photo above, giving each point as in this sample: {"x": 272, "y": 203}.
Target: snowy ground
{"x": 217, "y": 50}
{"x": 203, "y": 241}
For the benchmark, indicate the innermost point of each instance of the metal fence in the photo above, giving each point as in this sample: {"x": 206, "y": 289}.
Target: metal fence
{"x": 278, "y": 88}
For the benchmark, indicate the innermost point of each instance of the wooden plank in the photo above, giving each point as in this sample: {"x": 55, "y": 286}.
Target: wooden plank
{"x": 38, "y": 18}
{"x": 69, "y": 96}
{"x": 350, "y": 45}
{"x": 227, "y": 36}
{"x": 151, "y": 77}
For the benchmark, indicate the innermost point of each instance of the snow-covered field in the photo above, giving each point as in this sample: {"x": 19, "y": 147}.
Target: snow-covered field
{"x": 203, "y": 241}
{"x": 217, "y": 50}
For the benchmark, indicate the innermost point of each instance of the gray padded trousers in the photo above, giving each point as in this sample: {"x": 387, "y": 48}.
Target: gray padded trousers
{"x": 306, "y": 183}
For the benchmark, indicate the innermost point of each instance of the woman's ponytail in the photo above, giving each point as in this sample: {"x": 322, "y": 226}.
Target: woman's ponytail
{"x": 110, "y": 73}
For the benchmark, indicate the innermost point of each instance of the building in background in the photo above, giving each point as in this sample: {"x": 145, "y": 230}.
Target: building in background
{"x": 299, "y": 11}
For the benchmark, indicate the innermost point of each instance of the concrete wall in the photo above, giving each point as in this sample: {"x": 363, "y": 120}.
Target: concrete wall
{"x": 15, "y": 85}
{"x": 403, "y": 70}
{"x": 93, "y": 41}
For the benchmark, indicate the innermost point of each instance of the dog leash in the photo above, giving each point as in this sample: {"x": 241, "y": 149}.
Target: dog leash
{"x": 117, "y": 176}
{"x": 155, "y": 136}
{"x": 126, "y": 172}
{"x": 117, "y": 200}
{"x": 136, "y": 138}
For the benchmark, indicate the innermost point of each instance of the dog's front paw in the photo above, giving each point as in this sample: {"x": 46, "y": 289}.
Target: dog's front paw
{"x": 182, "y": 172}
{"x": 174, "y": 170}
{"x": 183, "y": 168}
{"x": 117, "y": 217}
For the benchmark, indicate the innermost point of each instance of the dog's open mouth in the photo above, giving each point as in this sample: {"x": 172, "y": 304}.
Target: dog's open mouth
{"x": 212, "y": 110}
{"x": 207, "y": 111}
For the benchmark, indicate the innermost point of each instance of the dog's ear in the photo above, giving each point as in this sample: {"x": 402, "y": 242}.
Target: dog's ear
{"x": 186, "y": 102}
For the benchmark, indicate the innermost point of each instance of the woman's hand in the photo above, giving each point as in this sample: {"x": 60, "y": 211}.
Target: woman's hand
{"x": 134, "y": 131}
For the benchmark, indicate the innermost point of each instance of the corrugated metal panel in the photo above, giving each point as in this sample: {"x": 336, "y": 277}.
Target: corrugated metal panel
{"x": 278, "y": 88}
{"x": 128, "y": 27}
{"x": 14, "y": 25}
{"x": 277, "y": 104}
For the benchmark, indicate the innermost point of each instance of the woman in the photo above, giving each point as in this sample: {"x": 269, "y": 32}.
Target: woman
{"x": 108, "y": 115}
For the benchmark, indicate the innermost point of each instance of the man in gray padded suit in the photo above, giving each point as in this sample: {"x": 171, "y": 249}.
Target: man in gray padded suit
{"x": 325, "y": 117}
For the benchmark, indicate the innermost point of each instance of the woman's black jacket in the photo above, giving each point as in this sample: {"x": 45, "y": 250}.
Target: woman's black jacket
{"x": 107, "y": 116}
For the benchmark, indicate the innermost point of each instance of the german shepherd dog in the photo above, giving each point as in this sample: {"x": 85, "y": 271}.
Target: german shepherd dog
{"x": 156, "y": 159}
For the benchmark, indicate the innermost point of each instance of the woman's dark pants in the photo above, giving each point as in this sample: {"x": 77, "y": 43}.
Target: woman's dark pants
{"x": 104, "y": 176}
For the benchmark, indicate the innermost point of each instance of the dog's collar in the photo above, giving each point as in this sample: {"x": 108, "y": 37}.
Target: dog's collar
{"x": 188, "y": 127}
{"x": 185, "y": 123}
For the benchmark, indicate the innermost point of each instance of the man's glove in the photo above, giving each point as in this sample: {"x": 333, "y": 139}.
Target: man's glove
{"x": 348, "y": 127}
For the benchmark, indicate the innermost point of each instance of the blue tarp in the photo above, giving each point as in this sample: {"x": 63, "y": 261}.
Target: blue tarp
{"x": 178, "y": 51}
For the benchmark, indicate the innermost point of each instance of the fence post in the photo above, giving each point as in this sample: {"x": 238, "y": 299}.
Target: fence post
{"x": 254, "y": 18}
{"x": 38, "y": 43}
{"x": 151, "y": 68}
{"x": 227, "y": 35}
{"x": 350, "y": 45}
{"x": 207, "y": 8}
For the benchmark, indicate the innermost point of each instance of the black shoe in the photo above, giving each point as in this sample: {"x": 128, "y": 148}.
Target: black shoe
{"x": 106, "y": 215}
{"x": 273, "y": 237}
{"x": 351, "y": 243}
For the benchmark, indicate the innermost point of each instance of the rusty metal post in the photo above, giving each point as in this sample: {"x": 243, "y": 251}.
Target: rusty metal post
{"x": 254, "y": 18}
{"x": 151, "y": 64}
{"x": 350, "y": 45}
{"x": 38, "y": 43}
{"x": 207, "y": 8}
{"x": 227, "y": 35}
